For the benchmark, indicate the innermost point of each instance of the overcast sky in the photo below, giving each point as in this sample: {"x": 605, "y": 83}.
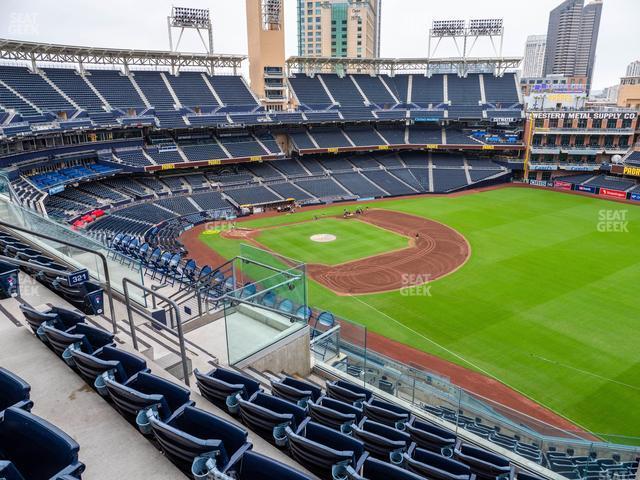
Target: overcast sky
{"x": 142, "y": 24}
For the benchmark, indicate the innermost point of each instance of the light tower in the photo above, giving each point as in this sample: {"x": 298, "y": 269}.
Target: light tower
{"x": 465, "y": 35}
{"x": 265, "y": 34}
{"x": 197, "y": 19}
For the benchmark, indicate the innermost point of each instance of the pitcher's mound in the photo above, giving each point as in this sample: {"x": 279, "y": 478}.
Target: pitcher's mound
{"x": 323, "y": 237}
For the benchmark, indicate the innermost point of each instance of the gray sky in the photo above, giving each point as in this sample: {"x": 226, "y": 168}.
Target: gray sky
{"x": 142, "y": 24}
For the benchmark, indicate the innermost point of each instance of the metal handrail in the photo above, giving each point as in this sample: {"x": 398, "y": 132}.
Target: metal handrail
{"x": 127, "y": 301}
{"x": 107, "y": 279}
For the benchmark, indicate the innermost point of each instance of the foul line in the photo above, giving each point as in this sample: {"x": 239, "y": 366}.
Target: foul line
{"x": 483, "y": 371}
{"x": 586, "y": 372}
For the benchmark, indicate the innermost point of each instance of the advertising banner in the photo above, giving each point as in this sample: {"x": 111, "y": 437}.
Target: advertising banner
{"x": 635, "y": 196}
{"x": 633, "y": 171}
{"x": 607, "y": 192}
{"x": 586, "y": 188}
{"x": 540, "y": 183}
{"x": 562, "y": 185}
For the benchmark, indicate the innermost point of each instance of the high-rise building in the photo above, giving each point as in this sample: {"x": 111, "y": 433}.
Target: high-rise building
{"x": 339, "y": 28}
{"x": 265, "y": 34}
{"x": 633, "y": 69}
{"x": 534, "y": 56}
{"x": 572, "y": 36}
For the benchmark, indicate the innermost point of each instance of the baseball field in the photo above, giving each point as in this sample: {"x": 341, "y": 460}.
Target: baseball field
{"x": 545, "y": 298}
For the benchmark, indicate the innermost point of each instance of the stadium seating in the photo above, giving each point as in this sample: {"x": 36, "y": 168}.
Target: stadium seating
{"x": 14, "y": 391}
{"x": 145, "y": 395}
{"x": 25, "y": 437}
{"x": 295, "y": 391}
{"x": 325, "y": 451}
{"x": 222, "y": 386}
{"x": 193, "y": 436}
{"x": 268, "y": 416}
{"x": 434, "y": 465}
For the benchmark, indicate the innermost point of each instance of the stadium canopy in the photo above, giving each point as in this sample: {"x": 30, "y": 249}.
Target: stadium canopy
{"x": 46, "y": 52}
{"x": 496, "y": 65}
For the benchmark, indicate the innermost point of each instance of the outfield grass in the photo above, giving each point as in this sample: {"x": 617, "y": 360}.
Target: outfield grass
{"x": 547, "y": 303}
{"x": 354, "y": 240}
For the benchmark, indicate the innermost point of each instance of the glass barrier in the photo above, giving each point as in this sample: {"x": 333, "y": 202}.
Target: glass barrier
{"x": 531, "y": 435}
{"x": 19, "y": 216}
{"x": 266, "y": 301}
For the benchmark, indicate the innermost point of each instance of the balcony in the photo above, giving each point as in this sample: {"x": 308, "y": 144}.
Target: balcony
{"x": 584, "y": 131}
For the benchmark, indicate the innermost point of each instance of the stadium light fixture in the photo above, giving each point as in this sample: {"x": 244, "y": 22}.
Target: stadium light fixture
{"x": 447, "y": 28}
{"x": 190, "y": 18}
{"x": 485, "y": 27}
{"x": 271, "y": 14}
{"x": 465, "y": 36}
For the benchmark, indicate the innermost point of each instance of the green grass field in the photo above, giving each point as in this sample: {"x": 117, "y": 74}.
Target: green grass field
{"x": 354, "y": 240}
{"x": 547, "y": 303}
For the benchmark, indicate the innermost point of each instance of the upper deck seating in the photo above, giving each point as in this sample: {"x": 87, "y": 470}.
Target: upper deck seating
{"x": 116, "y": 88}
{"x": 233, "y": 92}
{"x": 381, "y": 441}
{"x": 295, "y": 391}
{"x": 427, "y": 91}
{"x": 374, "y": 90}
{"x": 192, "y": 90}
{"x": 501, "y": 91}
{"x": 436, "y": 466}
{"x": 115, "y": 363}
{"x": 309, "y": 91}
{"x": 342, "y": 89}
{"x": 74, "y": 86}
{"x": 154, "y": 88}
{"x": 34, "y": 88}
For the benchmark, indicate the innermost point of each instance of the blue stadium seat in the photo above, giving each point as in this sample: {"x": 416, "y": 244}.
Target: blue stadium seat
{"x": 374, "y": 469}
{"x": 221, "y": 387}
{"x": 324, "y": 451}
{"x": 436, "y": 466}
{"x": 295, "y": 391}
{"x": 253, "y": 466}
{"x": 382, "y": 441}
{"x": 81, "y": 336}
{"x": 334, "y": 413}
{"x": 192, "y": 433}
{"x": 429, "y": 436}
{"x": 145, "y": 395}
{"x": 268, "y": 416}
{"x": 386, "y": 413}
{"x": 348, "y": 392}
{"x": 110, "y": 362}
{"x": 14, "y": 391}
{"x": 57, "y": 317}
{"x": 37, "y": 449}
{"x": 483, "y": 463}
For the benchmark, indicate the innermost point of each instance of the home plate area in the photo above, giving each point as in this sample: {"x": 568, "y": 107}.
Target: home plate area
{"x": 322, "y": 237}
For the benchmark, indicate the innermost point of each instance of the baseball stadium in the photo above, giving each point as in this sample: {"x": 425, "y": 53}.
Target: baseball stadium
{"x": 221, "y": 266}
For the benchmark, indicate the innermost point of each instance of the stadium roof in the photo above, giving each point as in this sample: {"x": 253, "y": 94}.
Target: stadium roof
{"x": 48, "y": 52}
{"x": 498, "y": 65}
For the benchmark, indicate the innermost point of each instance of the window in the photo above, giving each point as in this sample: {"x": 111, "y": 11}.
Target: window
{"x": 611, "y": 123}
{"x": 553, "y": 123}
{"x": 596, "y": 123}
{"x": 539, "y": 122}
{"x": 582, "y": 123}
